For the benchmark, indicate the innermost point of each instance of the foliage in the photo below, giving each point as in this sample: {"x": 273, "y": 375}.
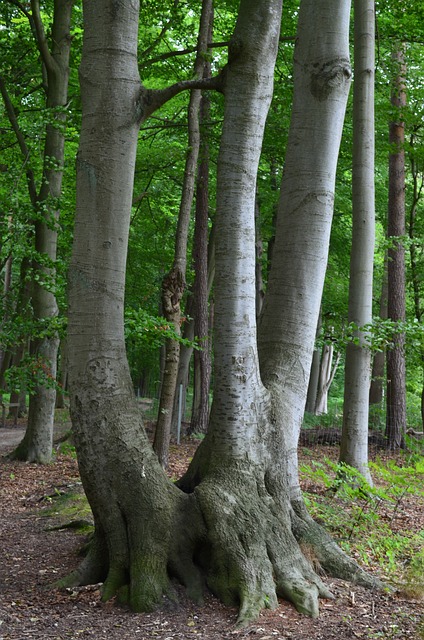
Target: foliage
{"x": 32, "y": 372}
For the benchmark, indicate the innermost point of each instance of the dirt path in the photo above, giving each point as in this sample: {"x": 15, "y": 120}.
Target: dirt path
{"x": 33, "y": 557}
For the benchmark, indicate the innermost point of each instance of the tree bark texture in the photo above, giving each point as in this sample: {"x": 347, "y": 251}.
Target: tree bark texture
{"x": 396, "y": 381}
{"x": 354, "y": 445}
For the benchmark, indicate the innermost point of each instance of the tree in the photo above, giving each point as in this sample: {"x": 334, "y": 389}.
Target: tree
{"x": 36, "y": 445}
{"x": 237, "y": 517}
{"x": 396, "y": 389}
{"x": 354, "y": 443}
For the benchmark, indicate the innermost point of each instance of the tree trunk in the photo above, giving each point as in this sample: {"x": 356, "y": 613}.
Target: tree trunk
{"x": 260, "y": 289}
{"x": 174, "y": 283}
{"x": 327, "y": 371}
{"x": 414, "y": 255}
{"x": 63, "y": 375}
{"x": 37, "y": 443}
{"x": 354, "y": 444}
{"x": 311, "y": 396}
{"x": 234, "y": 523}
{"x": 188, "y": 333}
{"x": 379, "y": 361}
{"x": 202, "y": 364}
{"x": 396, "y": 383}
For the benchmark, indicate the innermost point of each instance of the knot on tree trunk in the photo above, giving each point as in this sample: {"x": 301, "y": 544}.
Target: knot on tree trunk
{"x": 173, "y": 286}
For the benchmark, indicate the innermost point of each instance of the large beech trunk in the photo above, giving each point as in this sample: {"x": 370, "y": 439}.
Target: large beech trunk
{"x": 236, "y": 520}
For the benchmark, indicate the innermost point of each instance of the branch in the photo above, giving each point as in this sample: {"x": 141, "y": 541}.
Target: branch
{"x": 153, "y": 99}
{"x": 40, "y": 36}
{"x": 20, "y": 138}
{"x": 181, "y": 52}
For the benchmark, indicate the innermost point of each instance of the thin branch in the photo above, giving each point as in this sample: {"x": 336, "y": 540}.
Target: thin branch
{"x": 40, "y": 35}
{"x": 153, "y": 99}
{"x": 180, "y": 52}
{"x": 20, "y": 138}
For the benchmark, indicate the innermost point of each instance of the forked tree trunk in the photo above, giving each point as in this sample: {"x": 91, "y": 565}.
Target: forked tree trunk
{"x": 238, "y": 520}
{"x": 354, "y": 444}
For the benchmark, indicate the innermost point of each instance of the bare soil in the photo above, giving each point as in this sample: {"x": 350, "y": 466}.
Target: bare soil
{"x": 33, "y": 556}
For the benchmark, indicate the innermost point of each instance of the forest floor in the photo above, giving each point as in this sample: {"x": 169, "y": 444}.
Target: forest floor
{"x": 34, "y": 554}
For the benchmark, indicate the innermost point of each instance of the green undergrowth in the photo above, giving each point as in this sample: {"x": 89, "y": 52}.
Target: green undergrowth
{"x": 380, "y": 526}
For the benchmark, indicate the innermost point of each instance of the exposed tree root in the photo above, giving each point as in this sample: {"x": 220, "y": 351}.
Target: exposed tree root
{"x": 236, "y": 532}
{"x": 254, "y": 557}
{"x": 326, "y": 552}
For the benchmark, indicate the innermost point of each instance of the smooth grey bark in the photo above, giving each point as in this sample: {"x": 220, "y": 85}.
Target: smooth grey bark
{"x": 135, "y": 506}
{"x": 321, "y": 85}
{"x": 322, "y": 78}
{"x": 36, "y": 445}
{"x": 354, "y": 443}
{"x": 396, "y": 375}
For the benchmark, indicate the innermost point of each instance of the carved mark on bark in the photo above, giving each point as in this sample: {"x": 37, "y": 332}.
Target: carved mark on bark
{"x": 327, "y": 76}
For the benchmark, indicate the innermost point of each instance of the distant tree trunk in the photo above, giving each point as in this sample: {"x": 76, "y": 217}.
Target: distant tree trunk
{"x": 5, "y": 314}
{"x": 202, "y": 365}
{"x": 379, "y": 361}
{"x": 63, "y": 375}
{"x": 396, "y": 383}
{"x": 354, "y": 443}
{"x": 38, "y": 440}
{"x": 327, "y": 371}
{"x": 414, "y": 255}
{"x": 260, "y": 290}
{"x": 311, "y": 397}
{"x": 186, "y": 352}
{"x": 173, "y": 285}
